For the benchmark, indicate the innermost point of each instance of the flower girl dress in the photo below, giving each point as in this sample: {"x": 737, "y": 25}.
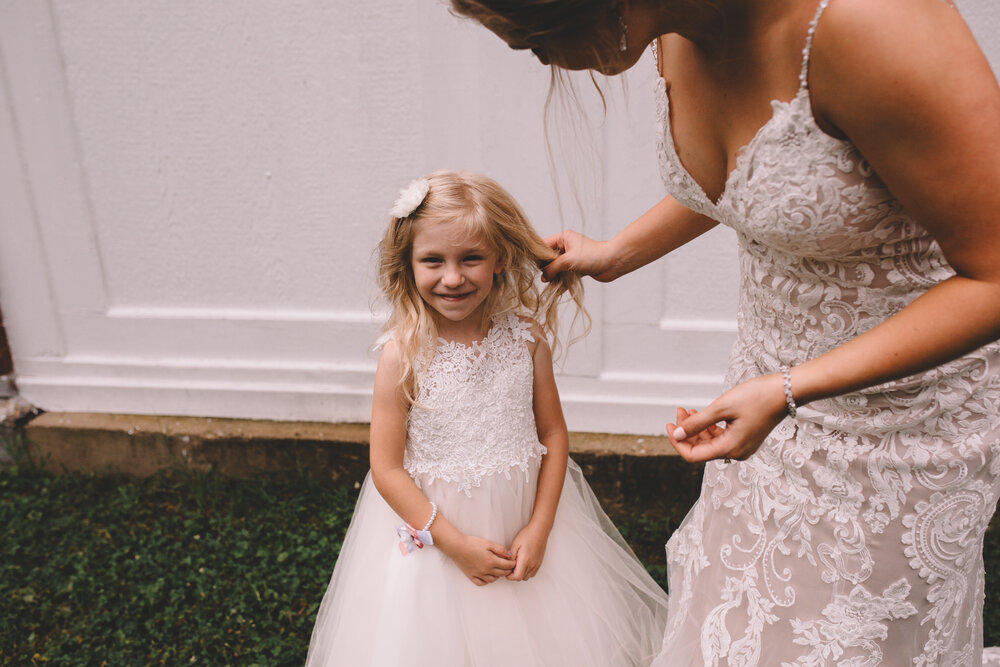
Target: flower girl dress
{"x": 472, "y": 448}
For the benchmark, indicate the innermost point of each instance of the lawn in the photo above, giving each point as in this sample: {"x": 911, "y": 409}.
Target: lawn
{"x": 193, "y": 568}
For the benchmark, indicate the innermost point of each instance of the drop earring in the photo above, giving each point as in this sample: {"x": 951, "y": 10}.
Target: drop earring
{"x": 623, "y": 43}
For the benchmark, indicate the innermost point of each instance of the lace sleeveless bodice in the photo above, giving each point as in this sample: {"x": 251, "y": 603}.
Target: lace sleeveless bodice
{"x": 473, "y": 412}
{"x": 854, "y": 534}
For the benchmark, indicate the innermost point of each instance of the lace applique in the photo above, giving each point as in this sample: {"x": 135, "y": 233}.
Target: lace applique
{"x": 473, "y": 413}
{"x": 853, "y": 621}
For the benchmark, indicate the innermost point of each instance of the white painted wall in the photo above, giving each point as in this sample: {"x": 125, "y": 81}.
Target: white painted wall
{"x": 190, "y": 195}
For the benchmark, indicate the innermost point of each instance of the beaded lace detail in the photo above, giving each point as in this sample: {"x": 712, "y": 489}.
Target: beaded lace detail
{"x": 473, "y": 412}
{"x": 854, "y": 535}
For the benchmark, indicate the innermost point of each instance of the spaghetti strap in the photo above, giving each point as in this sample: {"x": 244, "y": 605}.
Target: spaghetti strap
{"x": 655, "y": 47}
{"x": 807, "y": 49}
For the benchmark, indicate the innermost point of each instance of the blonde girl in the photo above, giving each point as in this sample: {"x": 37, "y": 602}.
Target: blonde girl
{"x": 475, "y": 541}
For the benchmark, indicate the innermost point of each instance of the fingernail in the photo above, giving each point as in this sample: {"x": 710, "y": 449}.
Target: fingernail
{"x": 680, "y": 434}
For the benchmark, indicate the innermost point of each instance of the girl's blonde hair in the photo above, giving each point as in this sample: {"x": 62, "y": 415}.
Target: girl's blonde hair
{"x": 489, "y": 213}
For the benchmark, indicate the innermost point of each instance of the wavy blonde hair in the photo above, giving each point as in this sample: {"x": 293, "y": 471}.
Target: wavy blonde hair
{"x": 490, "y": 214}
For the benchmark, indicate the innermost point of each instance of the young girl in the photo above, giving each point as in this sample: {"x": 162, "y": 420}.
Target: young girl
{"x": 475, "y": 541}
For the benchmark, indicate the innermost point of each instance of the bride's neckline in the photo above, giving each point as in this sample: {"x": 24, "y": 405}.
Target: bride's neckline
{"x": 742, "y": 152}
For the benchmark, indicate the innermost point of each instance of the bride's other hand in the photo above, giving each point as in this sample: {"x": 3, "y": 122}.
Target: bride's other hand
{"x": 749, "y": 410}
{"x": 579, "y": 254}
{"x": 704, "y": 436}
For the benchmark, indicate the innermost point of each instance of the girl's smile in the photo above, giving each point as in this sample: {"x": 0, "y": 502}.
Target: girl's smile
{"x": 453, "y": 272}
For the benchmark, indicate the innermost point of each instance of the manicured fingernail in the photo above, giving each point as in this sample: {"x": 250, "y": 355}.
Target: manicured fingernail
{"x": 680, "y": 434}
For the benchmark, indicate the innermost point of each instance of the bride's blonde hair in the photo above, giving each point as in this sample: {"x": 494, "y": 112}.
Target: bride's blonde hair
{"x": 488, "y": 213}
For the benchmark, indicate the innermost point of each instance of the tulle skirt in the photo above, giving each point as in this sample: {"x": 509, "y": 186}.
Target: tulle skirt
{"x": 591, "y": 603}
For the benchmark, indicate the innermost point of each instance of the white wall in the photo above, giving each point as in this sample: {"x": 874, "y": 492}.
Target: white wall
{"x": 190, "y": 195}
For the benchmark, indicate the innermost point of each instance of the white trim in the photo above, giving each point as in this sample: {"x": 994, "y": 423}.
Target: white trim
{"x": 327, "y": 392}
{"x": 140, "y": 313}
{"x": 700, "y": 326}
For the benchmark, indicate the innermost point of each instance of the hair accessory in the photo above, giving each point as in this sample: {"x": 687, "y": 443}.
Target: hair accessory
{"x": 623, "y": 44}
{"x": 410, "y": 198}
{"x": 786, "y": 376}
{"x": 410, "y": 538}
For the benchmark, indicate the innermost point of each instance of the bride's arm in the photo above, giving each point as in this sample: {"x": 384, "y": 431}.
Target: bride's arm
{"x": 928, "y": 121}
{"x": 663, "y": 228}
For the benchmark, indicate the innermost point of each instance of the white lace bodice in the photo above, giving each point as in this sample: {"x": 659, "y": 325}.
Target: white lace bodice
{"x": 473, "y": 412}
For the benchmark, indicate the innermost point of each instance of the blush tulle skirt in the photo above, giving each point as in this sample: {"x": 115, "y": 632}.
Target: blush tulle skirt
{"x": 591, "y": 603}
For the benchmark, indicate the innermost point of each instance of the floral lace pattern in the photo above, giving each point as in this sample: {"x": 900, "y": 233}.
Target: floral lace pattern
{"x": 854, "y": 535}
{"x": 473, "y": 412}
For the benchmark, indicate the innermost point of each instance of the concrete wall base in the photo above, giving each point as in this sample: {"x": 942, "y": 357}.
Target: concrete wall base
{"x": 629, "y": 474}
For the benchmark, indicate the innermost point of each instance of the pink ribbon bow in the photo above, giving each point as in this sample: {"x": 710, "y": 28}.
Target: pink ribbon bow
{"x": 408, "y": 539}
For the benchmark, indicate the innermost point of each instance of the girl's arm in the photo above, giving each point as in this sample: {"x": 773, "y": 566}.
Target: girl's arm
{"x": 482, "y": 561}
{"x": 528, "y": 547}
{"x": 907, "y": 83}
{"x": 663, "y": 228}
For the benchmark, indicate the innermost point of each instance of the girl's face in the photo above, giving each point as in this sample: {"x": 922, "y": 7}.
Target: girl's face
{"x": 453, "y": 272}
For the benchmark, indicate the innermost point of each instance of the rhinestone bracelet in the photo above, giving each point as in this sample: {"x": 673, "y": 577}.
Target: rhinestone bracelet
{"x": 786, "y": 376}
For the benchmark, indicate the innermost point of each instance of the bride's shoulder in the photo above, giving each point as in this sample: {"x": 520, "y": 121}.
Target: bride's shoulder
{"x": 858, "y": 31}
{"x": 872, "y": 61}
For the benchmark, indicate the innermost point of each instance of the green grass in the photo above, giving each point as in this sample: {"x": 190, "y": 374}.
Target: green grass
{"x": 192, "y": 568}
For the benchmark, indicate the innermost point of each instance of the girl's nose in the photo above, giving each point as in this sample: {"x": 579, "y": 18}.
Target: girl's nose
{"x": 452, "y": 278}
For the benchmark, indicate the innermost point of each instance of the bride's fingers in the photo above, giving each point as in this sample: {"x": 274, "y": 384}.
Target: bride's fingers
{"x": 696, "y": 422}
{"x": 711, "y": 431}
{"x": 555, "y": 267}
{"x": 556, "y": 241}
{"x": 722, "y": 447}
{"x": 715, "y": 430}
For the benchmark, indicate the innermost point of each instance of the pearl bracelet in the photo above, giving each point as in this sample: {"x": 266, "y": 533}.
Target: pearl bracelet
{"x": 425, "y": 532}
{"x": 786, "y": 376}
{"x": 410, "y": 538}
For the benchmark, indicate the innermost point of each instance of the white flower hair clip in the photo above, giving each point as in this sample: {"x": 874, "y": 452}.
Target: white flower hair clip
{"x": 410, "y": 198}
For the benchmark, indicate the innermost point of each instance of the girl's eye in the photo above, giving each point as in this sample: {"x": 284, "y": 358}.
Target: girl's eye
{"x": 431, "y": 260}
{"x": 474, "y": 258}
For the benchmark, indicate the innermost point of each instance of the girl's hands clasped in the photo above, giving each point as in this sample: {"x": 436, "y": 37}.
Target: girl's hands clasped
{"x": 749, "y": 410}
{"x": 482, "y": 561}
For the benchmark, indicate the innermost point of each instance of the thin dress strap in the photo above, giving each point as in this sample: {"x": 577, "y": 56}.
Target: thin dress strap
{"x": 807, "y": 49}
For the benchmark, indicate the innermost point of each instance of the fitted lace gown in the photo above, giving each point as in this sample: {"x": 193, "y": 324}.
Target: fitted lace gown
{"x": 854, "y": 535}
{"x": 472, "y": 448}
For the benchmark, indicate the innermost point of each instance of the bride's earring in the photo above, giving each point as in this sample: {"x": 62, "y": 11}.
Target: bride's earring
{"x": 623, "y": 43}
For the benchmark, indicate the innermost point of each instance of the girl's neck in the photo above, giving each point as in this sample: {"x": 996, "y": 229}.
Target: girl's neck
{"x": 469, "y": 331}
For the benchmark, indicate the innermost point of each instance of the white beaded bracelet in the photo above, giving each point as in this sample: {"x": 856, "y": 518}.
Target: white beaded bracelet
{"x": 424, "y": 534}
{"x": 786, "y": 376}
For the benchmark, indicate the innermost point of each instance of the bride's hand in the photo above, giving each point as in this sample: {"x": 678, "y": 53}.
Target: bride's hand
{"x": 580, "y": 254}
{"x": 750, "y": 411}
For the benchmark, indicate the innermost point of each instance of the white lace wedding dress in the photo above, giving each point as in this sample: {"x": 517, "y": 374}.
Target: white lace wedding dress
{"x": 473, "y": 449}
{"x": 854, "y": 535}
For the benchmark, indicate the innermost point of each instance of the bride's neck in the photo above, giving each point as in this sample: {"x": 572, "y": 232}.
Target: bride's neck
{"x": 716, "y": 26}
